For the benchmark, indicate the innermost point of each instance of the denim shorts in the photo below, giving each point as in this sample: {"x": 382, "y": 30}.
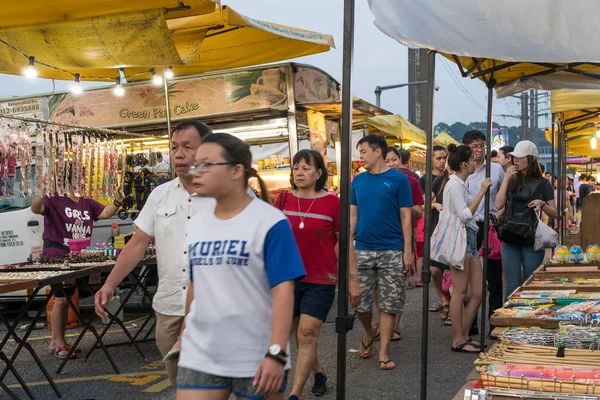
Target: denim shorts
{"x": 313, "y": 299}
{"x": 472, "y": 250}
{"x": 241, "y": 387}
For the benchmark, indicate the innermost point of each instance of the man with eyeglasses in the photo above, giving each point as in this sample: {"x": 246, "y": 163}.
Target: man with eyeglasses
{"x": 476, "y": 141}
{"x": 165, "y": 215}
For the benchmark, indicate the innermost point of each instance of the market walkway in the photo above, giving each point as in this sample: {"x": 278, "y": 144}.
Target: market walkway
{"x": 146, "y": 379}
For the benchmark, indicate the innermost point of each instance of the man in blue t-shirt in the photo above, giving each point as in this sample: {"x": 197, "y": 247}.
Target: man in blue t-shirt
{"x": 380, "y": 222}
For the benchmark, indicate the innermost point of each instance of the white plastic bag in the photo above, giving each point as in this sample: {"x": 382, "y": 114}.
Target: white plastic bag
{"x": 449, "y": 241}
{"x": 545, "y": 237}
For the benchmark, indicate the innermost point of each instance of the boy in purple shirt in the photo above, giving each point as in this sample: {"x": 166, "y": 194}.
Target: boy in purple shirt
{"x": 67, "y": 217}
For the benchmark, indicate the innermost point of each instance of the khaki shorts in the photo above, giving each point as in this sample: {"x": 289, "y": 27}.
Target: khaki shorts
{"x": 381, "y": 270}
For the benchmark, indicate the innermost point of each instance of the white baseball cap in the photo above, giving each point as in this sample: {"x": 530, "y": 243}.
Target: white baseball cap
{"x": 523, "y": 149}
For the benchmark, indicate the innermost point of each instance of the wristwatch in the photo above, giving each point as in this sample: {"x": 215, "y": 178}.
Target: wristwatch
{"x": 277, "y": 351}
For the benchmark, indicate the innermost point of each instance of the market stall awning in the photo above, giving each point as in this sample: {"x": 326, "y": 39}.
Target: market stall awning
{"x": 36, "y": 12}
{"x": 137, "y": 41}
{"x": 444, "y": 139}
{"x": 534, "y": 44}
{"x": 394, "y": 126}
{"x": 361, "y": 109}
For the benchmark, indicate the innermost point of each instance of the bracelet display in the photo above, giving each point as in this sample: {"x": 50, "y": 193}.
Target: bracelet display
{"x": 117, "y": 204}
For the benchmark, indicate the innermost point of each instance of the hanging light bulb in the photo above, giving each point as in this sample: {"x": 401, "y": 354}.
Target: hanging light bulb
{"x": 76, "y": 88}
{"x": 30, "y": 71}
{"x": 119, "y": 90}
{"x": 169, "y": 73}
{"x": 593, "y": 143}
{"x": 156, "y": 79}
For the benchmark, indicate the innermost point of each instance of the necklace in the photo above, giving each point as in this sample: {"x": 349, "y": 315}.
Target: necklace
{"x": 301, "y": 226}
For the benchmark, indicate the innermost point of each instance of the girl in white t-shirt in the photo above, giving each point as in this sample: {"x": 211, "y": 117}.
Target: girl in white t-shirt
{"x": 243, "y": 266}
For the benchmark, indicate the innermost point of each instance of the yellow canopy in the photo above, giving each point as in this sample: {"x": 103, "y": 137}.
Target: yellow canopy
{"x": 397, "y": 127}
{"x": 96, "y": 47}
{"x": 444, "y": 139}
{"x": 573, "y": 100}
{"x": 36, "y": 12}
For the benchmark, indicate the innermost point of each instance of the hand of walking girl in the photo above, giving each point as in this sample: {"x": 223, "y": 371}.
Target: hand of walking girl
{"x": 355, "y": 292}
{"x": 537, "y": 204}
{"x": 485, "y": 185}
{"x": 269, "y": 377}
{"x": 510, "y": 172}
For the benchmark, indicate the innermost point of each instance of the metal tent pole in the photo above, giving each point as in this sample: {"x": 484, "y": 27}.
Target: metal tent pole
{"x": 486, "y": 213}
{"x": 343, "y": 323}
{"x": 553, "y": 149}
{"x": 559, "y": 205}
{"x": 168, "y": 111}
{"x": 426, "y": 274}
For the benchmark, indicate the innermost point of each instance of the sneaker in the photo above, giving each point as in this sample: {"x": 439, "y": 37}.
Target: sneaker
{"x": 320, "y": 386}
{"x": 293, "y": 397}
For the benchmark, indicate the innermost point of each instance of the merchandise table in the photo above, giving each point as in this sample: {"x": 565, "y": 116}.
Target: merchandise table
{"x": 36, "y": 277}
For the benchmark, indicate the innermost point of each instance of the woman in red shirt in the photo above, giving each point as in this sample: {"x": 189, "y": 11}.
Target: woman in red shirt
{"x": 314, "y": 216}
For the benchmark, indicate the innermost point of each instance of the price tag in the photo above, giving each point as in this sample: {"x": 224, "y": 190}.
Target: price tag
{"x": 36, "y": 252}
{"x": 119, "y": 242}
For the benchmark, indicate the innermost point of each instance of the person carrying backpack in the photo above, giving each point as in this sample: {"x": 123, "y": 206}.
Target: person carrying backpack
{"x": 524, "y": 192}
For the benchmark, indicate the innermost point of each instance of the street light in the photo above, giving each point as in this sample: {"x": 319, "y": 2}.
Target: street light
{"x": 380, "y": 89}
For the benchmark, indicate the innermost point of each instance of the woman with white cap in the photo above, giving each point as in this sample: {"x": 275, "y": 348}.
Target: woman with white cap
{"x": 524, "y": 192}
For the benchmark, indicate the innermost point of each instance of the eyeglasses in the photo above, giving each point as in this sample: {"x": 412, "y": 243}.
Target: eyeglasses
{"x": 478, "y": 147}
{"x": 203, "y": 167}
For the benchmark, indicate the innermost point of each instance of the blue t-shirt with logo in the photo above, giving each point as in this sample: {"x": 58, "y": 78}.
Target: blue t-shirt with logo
{"x": 379, "y": 198}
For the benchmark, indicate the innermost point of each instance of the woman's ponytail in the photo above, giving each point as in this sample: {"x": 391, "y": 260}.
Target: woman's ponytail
{"x": 264, "y": 191}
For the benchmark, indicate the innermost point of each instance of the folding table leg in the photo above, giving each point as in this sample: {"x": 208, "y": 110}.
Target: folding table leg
{"x": 142, "y": 328}
{"x": 87, "y": 326}
{"x": 18, "y": 377}
{"x": 22, "y": 342}
{"x": 114, "y": 318}
{"x": 149, "y": 331}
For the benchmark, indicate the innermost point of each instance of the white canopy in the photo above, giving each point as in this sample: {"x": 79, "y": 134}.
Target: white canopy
{"x": 543, "y": 40}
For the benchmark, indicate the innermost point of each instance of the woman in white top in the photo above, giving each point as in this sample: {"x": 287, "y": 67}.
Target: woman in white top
{"x": 243, "y": 266}
{"x": 456, "y": 201}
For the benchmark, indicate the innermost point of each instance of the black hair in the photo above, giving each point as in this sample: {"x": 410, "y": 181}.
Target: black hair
{"x": 458, "y": 155}
{"x": 404, "y": 156}
{"x": 494, "y": 153}
{"x": 375, "y": 142}
{"x": 395, "y": 151}
{"x": 238, "y": 153}
{"x": 314, "y": 158}
{"x": 203, "y": 129}
{"x": 506, "y": 149}
{"x": 590, "y": 177}
{"x": 471, "y": 136}
{"x": 582, "y": 177}
{"x": 439, "y": 148}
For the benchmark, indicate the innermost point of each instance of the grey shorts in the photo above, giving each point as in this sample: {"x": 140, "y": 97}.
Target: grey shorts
{"x": 381, "y": 270}
{"x": 472, "y": 250}
{"x": 240, "y": 387}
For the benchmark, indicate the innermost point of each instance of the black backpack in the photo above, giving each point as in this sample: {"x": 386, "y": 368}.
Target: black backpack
{"x": 519, "y": 221}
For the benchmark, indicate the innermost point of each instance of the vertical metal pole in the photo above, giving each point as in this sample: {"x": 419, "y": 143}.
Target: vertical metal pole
{"x": 378, "y": 96}
{"x": 524, "y": 116}
{"x": 168, "y": 112}
{"x": 563, "y": 178}
{"x": 553, "y": 146}
{"x": 426, "y": 274}
{"x": 291, "y": 117}
{"x": 486, "y": 213}
{"x": 559, "y": 205}
{"x": 342, "y": 321}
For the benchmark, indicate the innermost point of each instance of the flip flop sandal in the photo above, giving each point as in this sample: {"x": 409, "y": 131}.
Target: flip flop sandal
{"x": 448, "y": 321}
{"x": 436, "y": 307}
{"x": 366, "y": 351}
{"x": 386, "y": 365}
{"x": 62, "y": 352}
{"x": 397, "y": 338}
{"x": 461, "y": 348}
{"x": 445, "y": 313}
{"x": 474, "y": 343}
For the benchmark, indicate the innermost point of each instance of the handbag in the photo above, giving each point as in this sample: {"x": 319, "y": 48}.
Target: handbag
{"x": 545, "y": 237}
{"x": 449, "y": 240}
{"x": 282, "y": 200}
{"x": 494, "y": 244}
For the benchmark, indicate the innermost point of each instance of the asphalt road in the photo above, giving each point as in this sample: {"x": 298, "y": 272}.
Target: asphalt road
{"x": 144, "y": 378}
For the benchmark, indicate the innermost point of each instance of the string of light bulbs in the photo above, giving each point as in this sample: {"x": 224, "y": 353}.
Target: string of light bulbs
{"x": 30, "y": 72}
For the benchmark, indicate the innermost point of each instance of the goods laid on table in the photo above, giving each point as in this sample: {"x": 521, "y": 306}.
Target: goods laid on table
{"x": 548, "y": 307}
{"x": 527, "y": 363}
{"x": 8, "y": 277}
{"x": 71, "y": 263}
{"x": 576, "y": 255}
